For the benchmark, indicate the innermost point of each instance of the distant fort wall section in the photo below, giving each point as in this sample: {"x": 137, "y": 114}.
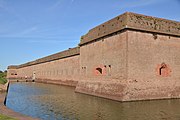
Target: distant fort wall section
{"x": 62, "y": 66}
{"x": 131, "y": 57}
{"x": 60, "y": 55}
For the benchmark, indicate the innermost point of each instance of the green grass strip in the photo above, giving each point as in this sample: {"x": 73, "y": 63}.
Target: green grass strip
{"x": 3, "y": 79}
{"x": 4, "y": 117}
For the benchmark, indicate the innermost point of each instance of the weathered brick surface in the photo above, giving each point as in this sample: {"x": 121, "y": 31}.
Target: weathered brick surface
{"x": 146, "y": 56}
{"x": 108, "y": 54}
{"x": 66, "y": 69}
{"x": 12, "y": 72}
{"x": 107, "y": 89}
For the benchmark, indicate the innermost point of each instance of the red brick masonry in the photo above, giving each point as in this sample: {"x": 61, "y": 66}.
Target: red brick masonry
{"x": 130, "y": 57}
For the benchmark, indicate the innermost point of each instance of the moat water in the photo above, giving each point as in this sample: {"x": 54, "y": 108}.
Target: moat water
{"x": 52, "y": 102}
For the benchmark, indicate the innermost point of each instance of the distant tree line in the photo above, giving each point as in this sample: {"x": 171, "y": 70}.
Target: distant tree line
{"x": 5, "y": 71}
{"x": 3, "y": 75}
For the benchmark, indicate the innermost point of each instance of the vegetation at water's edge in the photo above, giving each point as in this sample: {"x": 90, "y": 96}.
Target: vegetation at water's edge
{"x": 3, "y": 79}
{"x": 3, "y": 117}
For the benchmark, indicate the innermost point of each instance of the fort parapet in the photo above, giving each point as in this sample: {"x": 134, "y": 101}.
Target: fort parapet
{"x": 13, "y": 67}
{"x": 133, "y": 21}
{"x": 57, "y": 56}
{"x": 131, "y": 57}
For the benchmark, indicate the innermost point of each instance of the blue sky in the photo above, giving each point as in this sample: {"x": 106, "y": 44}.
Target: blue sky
{"x": 31, "y": 29}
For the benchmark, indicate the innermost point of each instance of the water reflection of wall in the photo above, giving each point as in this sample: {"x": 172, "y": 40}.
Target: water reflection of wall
{"x": 50, "y": 102}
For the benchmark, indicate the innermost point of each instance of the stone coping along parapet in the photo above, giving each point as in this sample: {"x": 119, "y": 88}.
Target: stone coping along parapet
{"x": 134, "y": 21}
{"x": 12, "y": 67}
{"x": 60, "y": 55}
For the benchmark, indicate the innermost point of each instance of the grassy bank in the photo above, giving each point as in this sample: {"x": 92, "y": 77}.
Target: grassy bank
{"x": 3, "y": 79}
{"x": 3, "y": 117}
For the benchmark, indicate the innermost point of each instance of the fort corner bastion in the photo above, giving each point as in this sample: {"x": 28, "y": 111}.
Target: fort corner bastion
{"x": 131, "y": 57}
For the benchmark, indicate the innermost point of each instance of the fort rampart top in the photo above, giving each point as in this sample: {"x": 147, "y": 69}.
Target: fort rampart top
{"x": 13, "y": 67}
{"x": 60, "y": 55}
{"x": 127, "y": 20}
{"x": 134, "y": 21}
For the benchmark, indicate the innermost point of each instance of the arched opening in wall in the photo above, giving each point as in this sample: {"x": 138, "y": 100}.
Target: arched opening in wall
{"x": 155, "y": 36}
{"x": 84, "y": 70}
{"x": 162, "y": 69}
{"x": 99, "y": 70}
{"x": 34, "y": 75}
{"x": 109, "y": 70}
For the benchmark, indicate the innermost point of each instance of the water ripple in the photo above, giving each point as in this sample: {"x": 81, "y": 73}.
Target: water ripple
{"x": 51, "y": 102}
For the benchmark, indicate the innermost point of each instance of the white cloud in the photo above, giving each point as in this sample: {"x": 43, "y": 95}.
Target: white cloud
{"x": 58, "y": 3}
{"x": 28, "y": 30}
{"x": 19, "y": 33}
{"x": 55, "y": 5}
